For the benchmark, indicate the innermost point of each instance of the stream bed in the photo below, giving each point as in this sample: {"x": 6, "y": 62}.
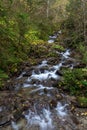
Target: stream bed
{"x": 48, "y": 109}
{"x": 37, "y": 104}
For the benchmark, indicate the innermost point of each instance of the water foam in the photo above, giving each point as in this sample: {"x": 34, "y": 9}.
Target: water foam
{"x": 66, "y": 54}
{"x": 45, "y": 75}
{"x": 61, "y": 109}
{"x": 44, "y": 63}
{"x": 51, "y": 41}
{"x": 44, "y": 120}
{"x": 14, "y": 125}
{"x": 53, "y": 37}
{"x": 57, "y": 67}
{"x": 41, "y": 87}
{"x": 21, "y": 75}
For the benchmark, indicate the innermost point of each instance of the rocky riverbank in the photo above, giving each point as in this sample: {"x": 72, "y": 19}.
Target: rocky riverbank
{"x": 33, "y": 95}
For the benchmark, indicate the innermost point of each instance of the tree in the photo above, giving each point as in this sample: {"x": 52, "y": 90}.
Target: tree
{"x": 84, "y": 8}
{"x": 76, "y": 23}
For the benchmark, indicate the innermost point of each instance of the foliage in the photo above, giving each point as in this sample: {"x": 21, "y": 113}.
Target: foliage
{"x": 82, "y": 101}
{"x": 18, "y": 32}
{"x": 81, "y": 48}
{"x": 75, "y": 81}
{"x": 3, "y": 74}
{"x": 32, "y": 35}
{"x": 25, "y": 26}
{"x": 58, "y": 47}
{"x": 75, "y": 24}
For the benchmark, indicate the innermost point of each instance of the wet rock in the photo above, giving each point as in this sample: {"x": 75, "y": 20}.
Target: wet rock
{"x": 4, "y": 119}
{"x": 28, "y": 70}
{"x": 59, "y": 97}
{"x": 68, "y": 62}
{"x": 53, "y": 60}
{"x": 27, "y": 74}
{"x": 42, "y": 70}
{"x": 48, "y": 83}
{"x": 61, "y": 128}
{"x": 55, "y": 84}
{"x": 75, "y": 120}
{"x": 15, "y": 83}
{"x": 35, "y": 81}
{"x": 36, "y": 71}
{"x": 68, "y": 127}
{"x": 45, "y": 90}
{"x": 59, "y": 73}
{"x": 26, "y": 64}
{"x": 53, "y": 103}
{"x": 10, "y": 86}
{"x": 80, "y": 65}
{"x": 71, "y": 99}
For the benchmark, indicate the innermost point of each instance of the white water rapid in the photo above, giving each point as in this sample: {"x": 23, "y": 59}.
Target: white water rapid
{"x": 38, "y": 80}
{"x": 54, "y": 37}
{"x": 45, "y": 107}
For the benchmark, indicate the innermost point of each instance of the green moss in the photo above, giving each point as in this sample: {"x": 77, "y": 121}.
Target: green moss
{"x": 51, "y": 54}
{"x": 82, "y": 101}
{"x": 58, "y": 47}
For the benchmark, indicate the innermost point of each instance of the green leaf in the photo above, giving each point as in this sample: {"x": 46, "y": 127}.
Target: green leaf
{"x": 84, "y": 83}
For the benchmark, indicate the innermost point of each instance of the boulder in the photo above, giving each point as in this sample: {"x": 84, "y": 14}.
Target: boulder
{"x": 59, "y": 73}
{"x": 80, "y": 65}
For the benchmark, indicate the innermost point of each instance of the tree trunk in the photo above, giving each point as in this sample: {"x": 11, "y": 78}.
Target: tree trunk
{"x": 84, "y": 20}
{"x": 48, "y": 2}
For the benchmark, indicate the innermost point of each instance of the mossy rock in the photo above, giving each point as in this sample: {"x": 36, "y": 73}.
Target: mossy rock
{"x": 82, "y": 102}
{"x": 58, "y": 47}
{"x": 52, "y": 54}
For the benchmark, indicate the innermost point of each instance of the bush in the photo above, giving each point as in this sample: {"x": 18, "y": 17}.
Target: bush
{"x": 81, "y": 48}
{"x": 75, "y": 81}
{"x": 3, "y": 77}
{"x": 58, "y": 47}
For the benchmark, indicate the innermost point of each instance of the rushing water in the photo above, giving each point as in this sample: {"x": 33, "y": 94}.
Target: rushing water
{"x": 53, "y": 37}
{"x": 47, "y": 112}
{"x": 44, "y": 118}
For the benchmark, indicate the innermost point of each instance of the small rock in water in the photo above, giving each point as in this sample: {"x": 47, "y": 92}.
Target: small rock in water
{"x": 45, "y": 90}
{"x": 59, "y": 73}
{"x": 59, "y": 97}
{"x": 53, "y": 103}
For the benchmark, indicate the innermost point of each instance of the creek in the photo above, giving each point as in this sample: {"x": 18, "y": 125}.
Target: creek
{"x": 46, "y": 108}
